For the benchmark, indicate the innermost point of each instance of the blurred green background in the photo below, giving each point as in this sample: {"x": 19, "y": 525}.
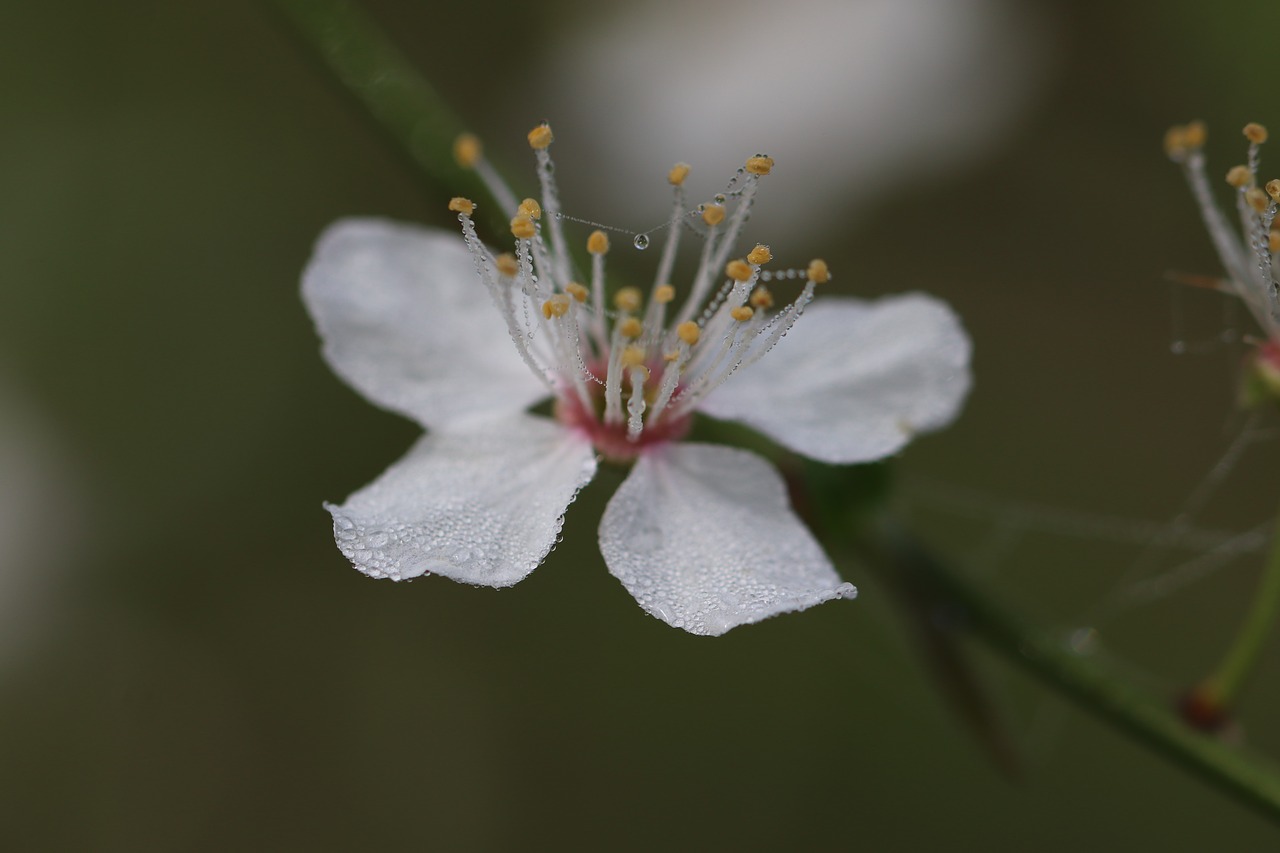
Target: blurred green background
{"x": 190, "y": 664}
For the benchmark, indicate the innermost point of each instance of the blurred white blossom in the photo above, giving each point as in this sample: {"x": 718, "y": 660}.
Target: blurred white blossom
{"x": 853, "y": 97}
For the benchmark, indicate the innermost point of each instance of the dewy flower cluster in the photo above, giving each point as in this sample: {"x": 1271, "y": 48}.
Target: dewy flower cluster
{"x": 1250, "y": 256}
{"x": 464, "y": 341}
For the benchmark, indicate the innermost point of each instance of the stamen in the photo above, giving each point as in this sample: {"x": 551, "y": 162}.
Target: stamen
{"x": 522, "y": 227}
{"x": 742, "y": 313}
{"x": 713, "y": 214}
{"x": 467, "y": 150}
{"x": 539, "y": 140}
{"x": 576, "y": 290}
{"x": 465, "y": 206}
{"x": 556, "y": 306}
{"x": 761, "y": 297}
{"x": 760, "y": 165}
{"x": 469, "y": 154}
{"x": 540, "y": 137}
{"x": 689, "y": 333}
{"x": 628, "y": 299}
{"x": 530, "y": 208}
{"x": 818, "y": 272}
{"x": 597, "y": 246}
{"x": 760, "y": 255}
{"x": 1255, "y": 133}
{"x": 1239, "y": 177}
{"x": 507, "y": 265}
{"x": 739, "y": 270}
{"x": 676, "y": 178}
{"x": 638, "y": 374}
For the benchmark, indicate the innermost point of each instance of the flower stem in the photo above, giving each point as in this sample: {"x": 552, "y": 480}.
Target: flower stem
{"x": 1223, "y": 687}
{"x": 358, "y": 54}
{"x": 888, "y": 547}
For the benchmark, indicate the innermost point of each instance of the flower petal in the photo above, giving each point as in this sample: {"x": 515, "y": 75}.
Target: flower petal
{"x": 703, "y": 537}
{"x": 854, "y": 380}
{"x": 406, "y": 321}
{"x": 482, "y": 506}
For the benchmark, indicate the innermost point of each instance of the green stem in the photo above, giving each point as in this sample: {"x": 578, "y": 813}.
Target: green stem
{"x": 355, "y": 51}
{"x": 1224, "y": 686}
{"x": 886, "y": 545}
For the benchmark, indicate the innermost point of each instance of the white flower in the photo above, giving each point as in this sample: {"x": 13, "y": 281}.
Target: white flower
{"x": 1249, "y": 256}
{"x": 443, "y": 331}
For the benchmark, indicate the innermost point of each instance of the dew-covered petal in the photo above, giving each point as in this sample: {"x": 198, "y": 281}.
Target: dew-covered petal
{"x": 854, "y": 380}
{"x": 705, "y": 540}
{"x": 483, "y": 506}
{"x": 406, "y": 321}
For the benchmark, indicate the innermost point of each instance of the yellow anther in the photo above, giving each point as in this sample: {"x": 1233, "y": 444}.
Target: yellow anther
{"x": 818, "y": 272}
{"x": 1239, "y": 177}
{"x": 522, "y": 227}
{"x": 465, "y": 206}
{"x": 631, "y": 328}
{"x": 1273, "y": 189}
{"x": 556, "y": 306}
{"x": 761, "y": 298}
{"x": 540, "y": 137}
{"x": 1255, "y": 133}
{"x": 507, "y": 265}
{"x": 628, "y": 299}
{"x": 467, "y": 150}
{"x": 633, "y": 357}
{"x": 577, "y": 291}
{"x": 678, "y": 173}
{"x": 742, "y": 313}
{"x": 1256, "y": 198}
{"x": 671, "y": 356}
{"x": 738, "y": 270}
{"x": 1182, "y": 138}
{"x": 530, "y": 208}
{"x": 598, "y": 243}
{"x": 1194, "y": 134}
{"x": 1273, "y": 241}
{"x": 664, "y": 293}
{"x": 713, "y": 214}
{"x": 760, "y": 255}
{"x": 689, "y": 332}
{"x": 759, "y": 165}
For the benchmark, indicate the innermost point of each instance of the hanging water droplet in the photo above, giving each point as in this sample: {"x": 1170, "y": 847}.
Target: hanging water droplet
{"x": 719, "y": 198}
{"x": 641, "y": 241}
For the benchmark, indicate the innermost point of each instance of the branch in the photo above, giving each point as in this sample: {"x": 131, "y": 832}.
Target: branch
{"x": 888, "y": 547}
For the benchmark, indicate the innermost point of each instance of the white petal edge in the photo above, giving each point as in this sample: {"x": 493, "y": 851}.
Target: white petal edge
{"x": 704, "y": 538}
{"x": 406, "y": 321}
{"x": 483, "y": 506}
{"x": 854, "y": 381}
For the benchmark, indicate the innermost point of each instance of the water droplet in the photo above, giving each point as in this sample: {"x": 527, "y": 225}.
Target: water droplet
{"x": 719, "y": 198}
{"x": 641, "y": 242}
{"x": 548, "y": 167}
